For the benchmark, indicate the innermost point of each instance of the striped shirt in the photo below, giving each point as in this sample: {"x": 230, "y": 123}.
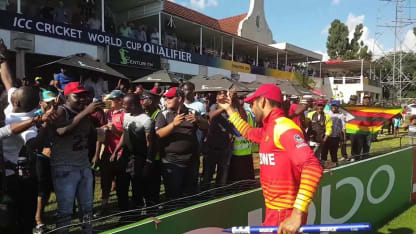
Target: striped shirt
{"x": 289, "y": 171}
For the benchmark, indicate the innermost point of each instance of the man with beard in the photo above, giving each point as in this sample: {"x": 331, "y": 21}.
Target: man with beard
{"x": 289, "y": 171}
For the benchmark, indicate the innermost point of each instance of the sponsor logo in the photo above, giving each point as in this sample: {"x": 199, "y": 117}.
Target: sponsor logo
{"x": 208, "y": 87}
{"x": 298, "y": 138}
{"x": 301, "y": 145}
{"x": 151, "y": 78}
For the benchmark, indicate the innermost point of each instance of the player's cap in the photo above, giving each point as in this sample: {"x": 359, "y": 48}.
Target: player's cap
{"x": 269, "y": 91}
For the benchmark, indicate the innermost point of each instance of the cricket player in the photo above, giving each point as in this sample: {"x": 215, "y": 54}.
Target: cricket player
{"x": 289, "y": 171}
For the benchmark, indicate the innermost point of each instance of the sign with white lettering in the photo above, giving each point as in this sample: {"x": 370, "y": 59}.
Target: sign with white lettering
{"x": 16, "y": 22}
{"x": 122, "y": 56}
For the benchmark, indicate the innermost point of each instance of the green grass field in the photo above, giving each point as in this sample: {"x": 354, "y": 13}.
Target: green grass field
{"x": 403, "y": 224}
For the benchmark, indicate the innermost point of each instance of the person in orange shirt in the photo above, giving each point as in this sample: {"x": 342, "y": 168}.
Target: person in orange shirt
{"x": 289, "y": 171}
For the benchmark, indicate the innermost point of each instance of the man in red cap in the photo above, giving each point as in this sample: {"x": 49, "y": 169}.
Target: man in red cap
{"x": 176, "y": 126}
{"x": 289, "y": 171}
{"x": 70, "y": 166}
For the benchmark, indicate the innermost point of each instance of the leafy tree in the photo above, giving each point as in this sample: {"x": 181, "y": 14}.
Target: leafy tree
{"x": 354, "y": 45}
{"x": 337, "y": 42}
{"x": 339, "y": 46}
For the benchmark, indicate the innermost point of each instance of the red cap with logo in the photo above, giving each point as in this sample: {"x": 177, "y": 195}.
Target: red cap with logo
{"x": 74, "y": 87}
{"x": 172, "y": 92}
{"x": 269, "y": 91}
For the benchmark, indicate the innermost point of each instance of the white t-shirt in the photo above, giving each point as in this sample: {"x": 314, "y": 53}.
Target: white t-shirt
{"x": 140, "y": 122}
{"x": 13, "y": 144}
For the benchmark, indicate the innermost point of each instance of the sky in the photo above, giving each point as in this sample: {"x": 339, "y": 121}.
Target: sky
{"x": 305, "y": 23}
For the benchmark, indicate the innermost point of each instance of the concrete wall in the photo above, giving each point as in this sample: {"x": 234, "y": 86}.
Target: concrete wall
{"x": 214, "y": 71}
{"x": 5, "y": 35}
{"x": 344, "y": 91}
{"x": 183, "y": 68}
{"x": 255, "y": 26}
{"x": 62, "y": 48}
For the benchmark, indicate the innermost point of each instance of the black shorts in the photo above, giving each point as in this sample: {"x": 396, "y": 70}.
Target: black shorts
{"x": 43, "y": 175}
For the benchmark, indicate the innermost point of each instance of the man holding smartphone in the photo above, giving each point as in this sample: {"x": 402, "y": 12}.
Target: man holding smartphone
{"x": 176, "y": 127}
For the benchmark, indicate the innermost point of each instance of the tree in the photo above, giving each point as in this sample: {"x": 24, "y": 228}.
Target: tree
{"x": 354, "y": 46}
{"x": 337, "y": 42}
{"x": 339, "y": 46}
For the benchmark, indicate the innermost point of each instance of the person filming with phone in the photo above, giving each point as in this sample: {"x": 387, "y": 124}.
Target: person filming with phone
{"x": 176, "y": 127}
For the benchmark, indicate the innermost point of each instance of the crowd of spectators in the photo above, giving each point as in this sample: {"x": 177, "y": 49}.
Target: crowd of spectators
{"x": 136, "y": 138}
{"x": 83, "y": 13}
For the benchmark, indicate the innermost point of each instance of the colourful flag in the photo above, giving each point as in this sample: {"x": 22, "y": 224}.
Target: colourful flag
{"x": 367, "y": 119}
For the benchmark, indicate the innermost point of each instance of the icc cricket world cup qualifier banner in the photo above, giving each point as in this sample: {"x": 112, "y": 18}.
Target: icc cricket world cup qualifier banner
{"x": 373, "y": 190}
{"x": 21, "y": 23}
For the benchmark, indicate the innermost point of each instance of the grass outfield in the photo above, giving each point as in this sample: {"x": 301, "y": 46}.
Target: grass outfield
{"x": 403, "y": 224}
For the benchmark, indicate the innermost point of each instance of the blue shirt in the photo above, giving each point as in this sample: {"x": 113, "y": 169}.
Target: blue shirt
{"x": 63, "y": 79}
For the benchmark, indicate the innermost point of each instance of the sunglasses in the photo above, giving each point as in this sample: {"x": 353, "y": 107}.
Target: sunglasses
{"x": 145, "y": 98}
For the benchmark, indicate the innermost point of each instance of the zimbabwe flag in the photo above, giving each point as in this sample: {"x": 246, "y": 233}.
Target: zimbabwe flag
{"x": 367, "y": 119}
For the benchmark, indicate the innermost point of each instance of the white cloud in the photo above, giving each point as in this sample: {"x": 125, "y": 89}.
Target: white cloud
{"x": 325, "y": 56}
{"x": 373, "y": 45}
{"x": 335, "y": 2}
{"x": 409, "y": 41}
{"x": 325, "y": 30}
{"x": 202, "y": 4}
{"x": 352, "y": 22}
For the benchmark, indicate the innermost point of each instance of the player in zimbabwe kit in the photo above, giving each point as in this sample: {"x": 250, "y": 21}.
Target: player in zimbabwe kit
{"x": 289, "y": 171}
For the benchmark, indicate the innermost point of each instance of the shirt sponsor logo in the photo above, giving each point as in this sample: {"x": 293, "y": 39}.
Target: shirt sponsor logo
{"x": 298, "y": 139}
{"x": 301, "y": 145}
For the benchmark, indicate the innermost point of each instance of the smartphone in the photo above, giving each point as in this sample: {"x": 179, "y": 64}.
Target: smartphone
{"x": 99, "y": 99}
{"x": 185, "y": 111}
{"x": 107, "y": 104}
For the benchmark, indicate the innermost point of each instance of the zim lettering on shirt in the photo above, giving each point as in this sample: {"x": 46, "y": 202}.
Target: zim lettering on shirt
{"x": 267, "y": 159}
